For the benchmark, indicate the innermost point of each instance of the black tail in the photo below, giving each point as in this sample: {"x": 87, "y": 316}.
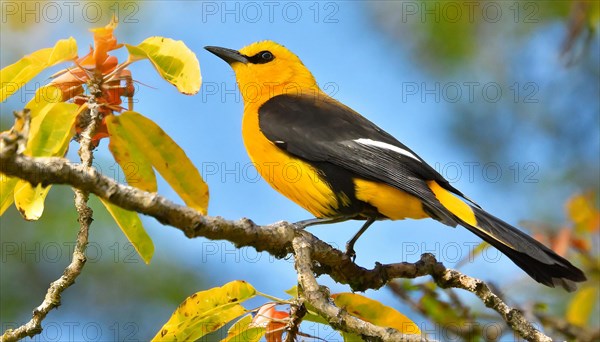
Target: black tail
{"x": 539, "y": 261}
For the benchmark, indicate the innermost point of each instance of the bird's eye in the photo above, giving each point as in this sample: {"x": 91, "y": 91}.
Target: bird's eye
{"x": 261, "y": 57}
{"x": 266, "y": 56}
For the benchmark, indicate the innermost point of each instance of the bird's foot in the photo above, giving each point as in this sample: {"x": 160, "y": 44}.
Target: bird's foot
{"x": 350, "y": 251}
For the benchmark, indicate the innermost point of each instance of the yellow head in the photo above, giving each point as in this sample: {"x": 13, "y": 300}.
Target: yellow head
{"x": 265, "y": 69}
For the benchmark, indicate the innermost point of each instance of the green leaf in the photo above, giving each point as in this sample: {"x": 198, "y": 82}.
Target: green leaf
{"x": 132, "y": 227}
{"x": 292, "y": 291}
{"x": 16, "y": 75}
{"x": 206, "y": 311}
{"x": 312, "y": 315}
{"x": 580, "y": 307}
{"x": 7, "y": 187}
{"x": 243, "y": 331}
{"x": 374, "y": 312}
{"x": 174, "y": 61}
{"x": 123, "y": 146}
{"x": 440, "y": 311}
{"x": 168, "y": 159}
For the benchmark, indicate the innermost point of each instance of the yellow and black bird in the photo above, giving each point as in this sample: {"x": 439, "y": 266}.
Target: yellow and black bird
{"x": 339, "y": 166}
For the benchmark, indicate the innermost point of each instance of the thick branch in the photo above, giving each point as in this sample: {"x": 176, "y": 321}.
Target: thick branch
{"x": 275, "y": 239}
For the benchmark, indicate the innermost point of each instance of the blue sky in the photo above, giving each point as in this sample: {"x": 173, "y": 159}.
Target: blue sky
{"x": 339, "y": 42}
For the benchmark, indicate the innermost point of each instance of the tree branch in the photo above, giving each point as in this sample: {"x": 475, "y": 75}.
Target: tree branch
{"x": 513, "y": 317}
{"x": 297, "y": 312}
{"x": 276, "y": 239}
{"x": 319, "y": 298}
{"x": 465, "y": 330}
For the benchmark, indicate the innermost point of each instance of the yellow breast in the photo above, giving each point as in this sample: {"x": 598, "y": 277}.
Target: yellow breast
{"x": 292, "y": 177}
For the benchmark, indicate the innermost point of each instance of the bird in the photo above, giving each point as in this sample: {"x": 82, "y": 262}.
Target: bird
{"x": 339, "y": 166}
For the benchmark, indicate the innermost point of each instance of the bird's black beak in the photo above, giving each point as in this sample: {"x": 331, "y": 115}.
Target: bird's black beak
{"x": 228, "y": 55}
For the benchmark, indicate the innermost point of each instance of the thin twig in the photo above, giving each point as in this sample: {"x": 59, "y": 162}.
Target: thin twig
{"x": 513, "y": 317}
{"x": 467, "y": 329}
{"x": 15, "y": 140}
{"x": 73, "y": 270}
{"x": 297, "y": 312}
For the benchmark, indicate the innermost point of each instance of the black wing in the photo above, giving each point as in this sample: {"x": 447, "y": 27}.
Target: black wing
{"x": 320, "y": 129}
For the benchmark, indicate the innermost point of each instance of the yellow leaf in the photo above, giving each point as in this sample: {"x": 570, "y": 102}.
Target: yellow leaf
{"x": 350, "y": 337}
{"x": 206, "y": 311}
{"x": 174, "y": 61}
{"x": 51, "y": 131}
{"x": 29, "y": 200}
{"x": 168, "y": 159}
{"x": 580, "y": 307}
{"x": 44, "y": 98}
{"x": 7, "y": 187}
{"x": 123, "y": 146}
{"x": 16, "y": 75}
{"x": 132, "y": 227}
{"x": 242, "y": 331}
{"x": 374, "y": 312}
{"x": 593, "y": 16}
{"x": 584, "y": 213}
{"x": 196, "y": 327}
{"x": 49, "y": 135}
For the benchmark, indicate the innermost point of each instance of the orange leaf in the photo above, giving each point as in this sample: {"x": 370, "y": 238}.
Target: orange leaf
{"x": 104, "y": 41}
{"x": 581, "y": 244}
{"x": 274, "y": 321}
{"x": 561, "y": 242}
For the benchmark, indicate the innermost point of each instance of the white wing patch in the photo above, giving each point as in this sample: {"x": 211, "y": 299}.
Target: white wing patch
{"x": 387, "y": 146}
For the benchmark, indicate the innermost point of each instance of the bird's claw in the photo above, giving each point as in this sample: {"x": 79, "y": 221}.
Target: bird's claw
{"x": 350, "y": 252}
{"x": 299, "y": 225}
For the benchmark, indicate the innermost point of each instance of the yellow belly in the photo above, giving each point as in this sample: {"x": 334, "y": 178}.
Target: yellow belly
{"x": 389, "y": 201}
{"x": 291, "y": 176}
